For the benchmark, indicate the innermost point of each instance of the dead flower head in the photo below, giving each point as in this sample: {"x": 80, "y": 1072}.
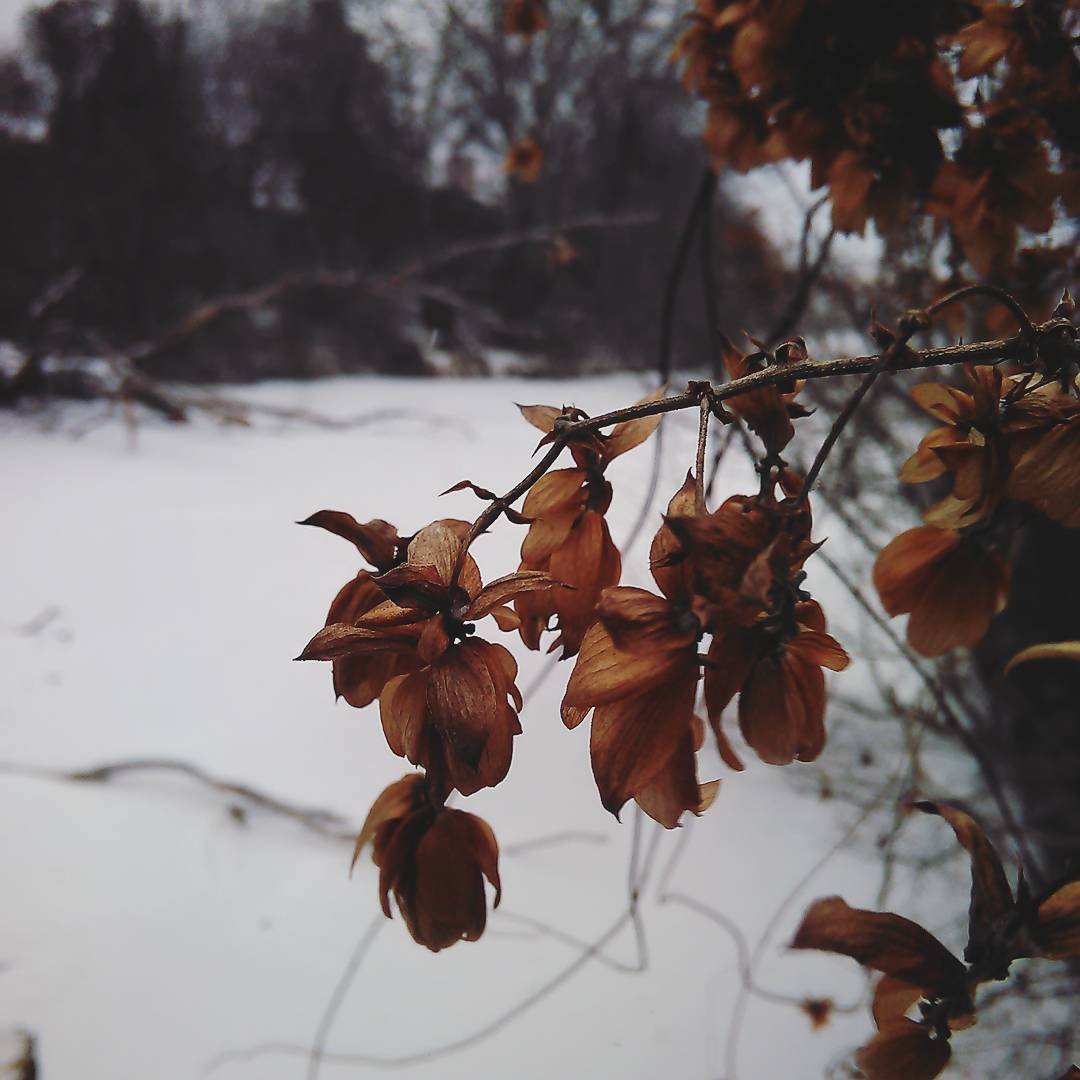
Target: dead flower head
{"x": 768, "y": 637}
{"x": 768, "y": 410}
{"x": 1047, "y": 474}
{"x": 916, "y": 966}
{"x": 638, "y": 673}
{"x": 982, "y": 433}
{"x": 457, "y": 714}
{"x": 434, "y": 861}
{"x": 950, "y": 584}
{"x": 360, "y": 677}
{"x": 775, "y": 663}
{"x": 568, "y": 536}
{"x": 918, "y": 970}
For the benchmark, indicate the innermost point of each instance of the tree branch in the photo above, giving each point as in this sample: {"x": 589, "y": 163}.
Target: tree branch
{"x": 985, "y": 352}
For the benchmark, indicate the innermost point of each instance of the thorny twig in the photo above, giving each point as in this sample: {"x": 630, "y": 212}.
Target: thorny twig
{"x": 699, "y": 460}
{"x": 985, "y": 352}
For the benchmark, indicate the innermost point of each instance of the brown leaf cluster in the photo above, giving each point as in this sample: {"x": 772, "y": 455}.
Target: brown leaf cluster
{"x": 447, "y": 698}
{"x": 433, "y": 860}
{"x": 769, "y": 410}
{"x": 403, "y": 631}
{"x": 873, "y": 97}
{"x": 918, "y": 970}
{"x": 568, "y": 535}
{"x": 1004, "y": 438}
{"x": 735, "y": 576}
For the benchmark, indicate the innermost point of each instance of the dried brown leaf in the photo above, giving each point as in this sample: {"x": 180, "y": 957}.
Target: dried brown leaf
{"x": 376, "y": 540}
{"x": 341, "y": 639}
{"x": 992, "y": 904}
{"x": 882, "y": 941}
{"x": 499, "y": 591}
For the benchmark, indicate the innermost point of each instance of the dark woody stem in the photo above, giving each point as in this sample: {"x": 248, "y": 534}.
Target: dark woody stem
{"x": 699, "y": 462}
{"x": 847, "y": 412}
{"x": 1027, "y": 327}
{"x": 910, "y": 324}
{"x": 702, "y": 200}
{"x": 1018, "y": 347}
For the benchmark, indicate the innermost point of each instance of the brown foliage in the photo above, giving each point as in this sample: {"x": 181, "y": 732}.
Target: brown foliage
{"x": 434, "y": 861}
{"x": 732, "y": 618}
{"x": 917, "y": 968}
{"x": 869, "y": 96}
{"x": 1008, "y": 438}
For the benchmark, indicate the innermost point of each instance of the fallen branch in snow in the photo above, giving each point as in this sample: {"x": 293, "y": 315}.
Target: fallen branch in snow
{"x": 74, "y": 383}
{"x": 237, "y": 411}
{"x": 35, "y": 380}
{"x": 35, "y": 625}
{"x": 324, "y": 822}
{"x": 386, "y": 283}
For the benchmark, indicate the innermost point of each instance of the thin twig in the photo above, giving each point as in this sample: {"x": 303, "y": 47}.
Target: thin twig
{"x": 337, "y": 998}
{"x": 545, "y": 990}
{"x": 985, "y": 352}
{"x": 699, "y": 460}
{"x": 709, "y": 285}
{"x": 1027, "y": 327}
{"x": 952, "y": 723}
{"x": 809, "y": 274}
{"x": 570, "y": 836}
{"x": 718, "y": 457}
{"x": 543, "y": 929}
{"x": 742, "y": 950}
{"x": 678, "y": 265}
{"x": 742, "y": 1000}
{"x": 638, "y": 873}
{"x": 847, "y": 412}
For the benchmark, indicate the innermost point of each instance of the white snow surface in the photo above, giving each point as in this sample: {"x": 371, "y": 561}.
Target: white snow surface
{"x": 153, "y": 595}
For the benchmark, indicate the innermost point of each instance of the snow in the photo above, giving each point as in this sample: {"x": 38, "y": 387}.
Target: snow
{"x": 153, "y": 593}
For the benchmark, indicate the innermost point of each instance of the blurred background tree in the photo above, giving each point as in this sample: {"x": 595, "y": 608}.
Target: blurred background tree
{"x": 152, "y": 161}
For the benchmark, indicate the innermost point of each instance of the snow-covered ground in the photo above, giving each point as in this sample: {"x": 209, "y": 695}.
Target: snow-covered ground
{"x": 151, "y": 597}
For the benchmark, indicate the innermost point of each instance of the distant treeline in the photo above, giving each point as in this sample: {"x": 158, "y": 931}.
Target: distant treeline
{"x": 152, "y": 163}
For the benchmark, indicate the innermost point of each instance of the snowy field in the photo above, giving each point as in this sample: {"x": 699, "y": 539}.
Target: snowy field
{"x": 153, "y": 592}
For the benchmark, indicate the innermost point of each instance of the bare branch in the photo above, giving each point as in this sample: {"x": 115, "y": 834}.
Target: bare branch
{"x": 986, "y": 352}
